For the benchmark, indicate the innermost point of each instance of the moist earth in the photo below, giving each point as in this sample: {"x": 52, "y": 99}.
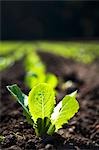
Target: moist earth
{"x": 82, "y": 131}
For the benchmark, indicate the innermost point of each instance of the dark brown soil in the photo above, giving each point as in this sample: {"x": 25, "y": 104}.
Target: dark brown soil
{"x": 82, "y": 132}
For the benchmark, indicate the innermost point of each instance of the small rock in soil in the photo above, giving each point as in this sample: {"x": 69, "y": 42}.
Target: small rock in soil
{"x": 14, "y": 147}
{"x": 49, "y": 147}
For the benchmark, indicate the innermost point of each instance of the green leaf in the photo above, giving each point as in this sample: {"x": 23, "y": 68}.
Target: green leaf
{"x": 33, "y": 78}
{"x": 51, "y": 79}
{"x": 17, "y": 93}
{"x": 64, "y": 111}
{"x": 41, "y": 101}
{"x": 28, "y": 117}
{"x": 21, "y": 98}
{"x": 33, "y": 63}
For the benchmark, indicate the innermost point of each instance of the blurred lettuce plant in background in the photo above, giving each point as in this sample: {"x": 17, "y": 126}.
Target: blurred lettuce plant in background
{"x": 85, "y": 52}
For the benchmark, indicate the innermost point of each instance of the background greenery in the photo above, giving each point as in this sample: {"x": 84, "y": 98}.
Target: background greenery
{"x": 85, "y": 52}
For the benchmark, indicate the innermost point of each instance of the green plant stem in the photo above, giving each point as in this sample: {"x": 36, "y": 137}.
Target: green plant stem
{"x": 42, "y": 126}
{"x": 51, "y": 129}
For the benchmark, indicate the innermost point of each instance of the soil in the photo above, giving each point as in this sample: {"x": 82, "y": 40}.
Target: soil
{"x": 82, "y": 131}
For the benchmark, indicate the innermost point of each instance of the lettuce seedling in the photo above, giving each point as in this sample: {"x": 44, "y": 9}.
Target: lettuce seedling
{"x": 36, "y": 72}
{"x": 40, "y": 111}
{"x": 51, "y": 79}
{"x": 33, "y": 78}
{"x": 33, "y": 63}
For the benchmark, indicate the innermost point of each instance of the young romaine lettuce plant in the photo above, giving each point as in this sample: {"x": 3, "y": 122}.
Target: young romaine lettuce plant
{"x": 36, "y": 72}
{"x": 33, "y": 62}
{"x": 39, "y": 108}
{"x": 33, "y": 78}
